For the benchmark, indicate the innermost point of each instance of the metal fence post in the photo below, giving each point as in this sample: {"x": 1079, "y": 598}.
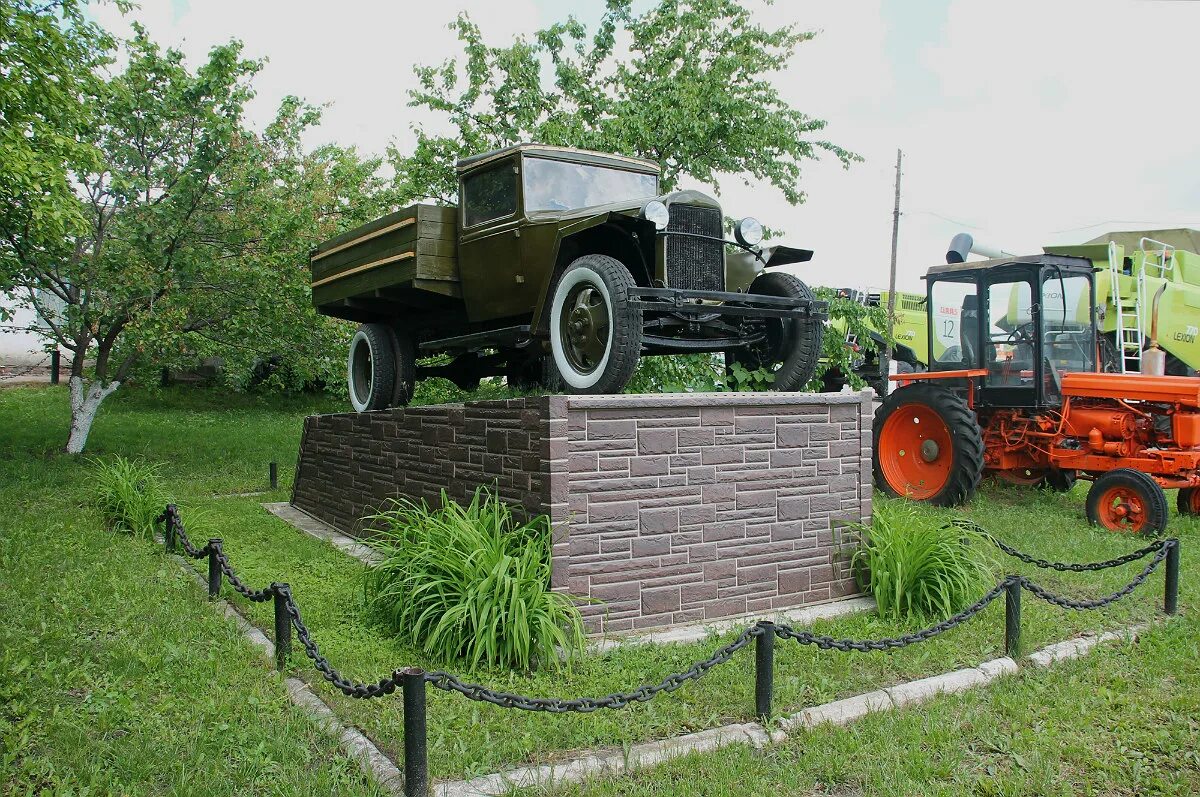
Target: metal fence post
{"x": 283, "y": 626}
{"x": 169, "y": 529}
{"x": 214, "y": 567}
{"x": 55, "y": 361}
{"x": 1012, "y": 617}
{"x": 764, "y": 670}
{"x": 416, "y": 763}
{"x": 273, "y": 473}
{"x": 1171, "y": 592}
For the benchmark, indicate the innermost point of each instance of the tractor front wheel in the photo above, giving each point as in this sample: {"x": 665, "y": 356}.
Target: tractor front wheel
{"x": 1188, "y": 501}
{"x": 927, "y": 446}
{"x": 1127, "y": 501}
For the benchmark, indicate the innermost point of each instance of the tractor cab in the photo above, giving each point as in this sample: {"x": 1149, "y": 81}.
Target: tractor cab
{"x": 1009, "y": 328}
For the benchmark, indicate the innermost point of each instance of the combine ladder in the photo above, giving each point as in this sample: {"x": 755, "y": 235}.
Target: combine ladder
{"x": 1129, "y": 313}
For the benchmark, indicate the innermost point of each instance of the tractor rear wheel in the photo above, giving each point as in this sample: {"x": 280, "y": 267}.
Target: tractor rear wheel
{"x": 927, "y": 446}
{"x": 1127, "y": 501}
{"x": 1188, "y": 501}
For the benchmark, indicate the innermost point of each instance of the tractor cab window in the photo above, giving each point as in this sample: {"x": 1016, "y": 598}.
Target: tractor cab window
{"x": 490, "y": 194}
{"x": 1011, "y": 343}
{"x": 1068, "y": 337}
{"x": 954, "y": 325}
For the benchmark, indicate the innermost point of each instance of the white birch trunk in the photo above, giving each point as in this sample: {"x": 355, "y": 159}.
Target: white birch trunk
{"x": 85, "y": 401}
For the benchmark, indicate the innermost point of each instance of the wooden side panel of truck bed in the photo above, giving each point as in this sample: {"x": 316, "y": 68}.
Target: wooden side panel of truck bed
{"x": 414, "y": 248}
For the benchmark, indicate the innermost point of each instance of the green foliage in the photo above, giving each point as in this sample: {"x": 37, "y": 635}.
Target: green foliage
{"x": 471, "y": 583}
{"x": 742, "y": 378}
{"x": 848, "y": 318}
{"x": 682, "y": 373}
{"x": 698, "y": 71}
{"x": 129, "y": 493}
{"x": 917, "y": 567}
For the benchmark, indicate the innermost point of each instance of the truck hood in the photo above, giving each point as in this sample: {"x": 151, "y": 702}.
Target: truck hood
{"x": 628, "y": 207}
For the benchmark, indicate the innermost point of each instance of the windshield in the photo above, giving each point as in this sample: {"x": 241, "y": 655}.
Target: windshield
{"x": 558, "y": 185}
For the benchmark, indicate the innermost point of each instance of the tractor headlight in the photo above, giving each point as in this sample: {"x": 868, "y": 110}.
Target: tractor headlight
{"x": 657, "y": 214}
{"x": 749, "y": 232}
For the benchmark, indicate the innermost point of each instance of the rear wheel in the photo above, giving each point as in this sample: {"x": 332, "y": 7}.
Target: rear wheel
{"x": 927, "y": 446}
{"x": 792, "y": 348}
{"x": 371, "y": 367}
{"x": 1188, "y": 501}
{"x": 1127, "y": 501}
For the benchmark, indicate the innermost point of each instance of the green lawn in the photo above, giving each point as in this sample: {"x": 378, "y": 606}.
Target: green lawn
{"x": 216, "y": 446}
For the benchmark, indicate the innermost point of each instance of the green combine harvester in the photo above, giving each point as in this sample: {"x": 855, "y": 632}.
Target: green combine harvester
{"x": 1137, "y": 272}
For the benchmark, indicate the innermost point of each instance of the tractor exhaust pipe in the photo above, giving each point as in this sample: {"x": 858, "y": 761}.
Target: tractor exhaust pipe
{"x": 964, "y": 244}
{"x": 1154, "y": 359}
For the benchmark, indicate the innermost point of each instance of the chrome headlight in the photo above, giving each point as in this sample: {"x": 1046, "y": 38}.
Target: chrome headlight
{"x": 749, "y": 232}
{"x": 657, "y": 214}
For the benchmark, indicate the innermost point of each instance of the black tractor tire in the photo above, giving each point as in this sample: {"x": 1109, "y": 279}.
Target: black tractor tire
{"x": 371, "y": 367}
{"x": 1128, "y": 501}
{"x": 1059, "y": 481}
{"x": 792, "y": 350}
{"x": 601, "y": 354}
{"x": 910, "y": 461}
{"x": 405, "y": 380}
{"x": 1188, "y": 501}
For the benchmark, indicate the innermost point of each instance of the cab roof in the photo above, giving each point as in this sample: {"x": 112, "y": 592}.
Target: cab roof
{"x": 1064, "y": 261}
{"x": 561, "y": 153}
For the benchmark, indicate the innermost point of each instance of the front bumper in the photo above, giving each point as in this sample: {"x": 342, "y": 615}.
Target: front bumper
{"x": 697, "y": 304}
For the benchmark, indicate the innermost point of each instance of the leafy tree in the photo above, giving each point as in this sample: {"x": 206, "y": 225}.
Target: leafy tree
{"x": 49, "y": 54}
{"x": 849, "y": 318}
{"x": 693, "y": 94}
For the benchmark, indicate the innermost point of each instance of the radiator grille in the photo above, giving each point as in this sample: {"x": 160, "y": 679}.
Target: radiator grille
{"x": 695, "y": 263}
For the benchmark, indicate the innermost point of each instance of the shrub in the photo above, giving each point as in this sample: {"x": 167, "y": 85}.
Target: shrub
{"x": 916, "y": 567}
{"x": 129, "y": 494}
{"x": 471, "y": 583}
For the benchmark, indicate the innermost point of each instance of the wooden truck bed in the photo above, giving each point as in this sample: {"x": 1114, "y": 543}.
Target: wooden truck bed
{"x": 414, "y": 249}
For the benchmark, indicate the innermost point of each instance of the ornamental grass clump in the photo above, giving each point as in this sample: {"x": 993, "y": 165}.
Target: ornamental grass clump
{"x": 129, "y": 494}
{"x": 917, "y": 567}
{"x": 471, "y": 584}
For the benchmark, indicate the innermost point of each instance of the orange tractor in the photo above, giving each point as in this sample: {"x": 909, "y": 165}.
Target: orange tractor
{"x": 1014, "y": 389}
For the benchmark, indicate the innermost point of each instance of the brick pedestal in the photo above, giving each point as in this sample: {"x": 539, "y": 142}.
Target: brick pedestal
{"x": 666, "y": 508}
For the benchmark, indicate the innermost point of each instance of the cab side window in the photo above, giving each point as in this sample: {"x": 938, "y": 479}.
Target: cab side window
{"x": 490, "y": 194}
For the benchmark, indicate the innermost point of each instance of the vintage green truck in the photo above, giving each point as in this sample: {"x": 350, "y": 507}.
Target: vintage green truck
{"x": 561, "y": 267}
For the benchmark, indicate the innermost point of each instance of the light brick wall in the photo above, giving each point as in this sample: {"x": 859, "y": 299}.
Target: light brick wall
{"x": 667, "y": 508}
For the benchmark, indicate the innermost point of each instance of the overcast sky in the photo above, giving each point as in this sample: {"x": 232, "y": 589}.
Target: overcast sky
{"x": 1024, "y": 123}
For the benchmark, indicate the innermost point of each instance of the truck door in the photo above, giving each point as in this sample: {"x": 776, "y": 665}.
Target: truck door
{"x": 489, "y": 239}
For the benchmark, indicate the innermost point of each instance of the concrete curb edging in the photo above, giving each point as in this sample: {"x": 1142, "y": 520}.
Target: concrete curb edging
{"x": 646, "y": 755}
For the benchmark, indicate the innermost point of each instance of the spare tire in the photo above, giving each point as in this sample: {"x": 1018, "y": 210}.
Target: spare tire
{"x": 371, "y": 367}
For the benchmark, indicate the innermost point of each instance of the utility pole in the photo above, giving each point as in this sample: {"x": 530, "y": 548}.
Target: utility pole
{"x": 886, "y": 364}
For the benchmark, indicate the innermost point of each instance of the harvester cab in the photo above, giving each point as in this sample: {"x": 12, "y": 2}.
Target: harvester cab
{"x": 1015, "y": 389}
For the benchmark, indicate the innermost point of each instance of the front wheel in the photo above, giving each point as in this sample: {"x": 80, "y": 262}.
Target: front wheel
{"x": 792, "y": 347}
{"x": 595, "y": 331}
{"x": 927, "y": 446}
{"x": 1127, "y": 501}
{"x": 371, "y": 367}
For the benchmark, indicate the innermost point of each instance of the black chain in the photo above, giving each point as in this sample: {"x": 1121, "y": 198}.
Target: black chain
{"x": 1141, "y": 553}
{"x": 1096, "y": 603}
{"x": 451, "y": 683}
{"x": 893, "y": 643}
{"x": 256, "y": 596}
{"x": 171, "y": 518}
{"x": 384, "y": 686}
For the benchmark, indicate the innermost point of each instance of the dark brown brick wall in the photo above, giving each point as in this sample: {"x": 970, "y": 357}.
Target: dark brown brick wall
{"x": 667, "y": 508}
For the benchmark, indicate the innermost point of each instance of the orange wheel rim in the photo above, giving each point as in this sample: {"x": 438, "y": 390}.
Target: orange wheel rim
{"x": 1193, "y": 500}
{"x": 915, "y": 453}
{"x": 1122, "y": 509}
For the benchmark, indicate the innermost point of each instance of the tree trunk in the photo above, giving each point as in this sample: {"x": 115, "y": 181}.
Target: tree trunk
{"x": 85, "y": 401}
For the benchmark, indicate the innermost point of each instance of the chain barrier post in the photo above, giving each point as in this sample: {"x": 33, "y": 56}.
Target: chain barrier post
{"x": 283, "y": 626}
{"x": 214, "y": 567}
{"x": 764, "y": 670}
{"x": 1012, "y": 617}
{"x": 55, "y": 360}
{"x": 416, "y": 762}
{"x": 1171, "y": 592}
{"x": 169, "y": 529}
{"x": 273, "y": 473}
